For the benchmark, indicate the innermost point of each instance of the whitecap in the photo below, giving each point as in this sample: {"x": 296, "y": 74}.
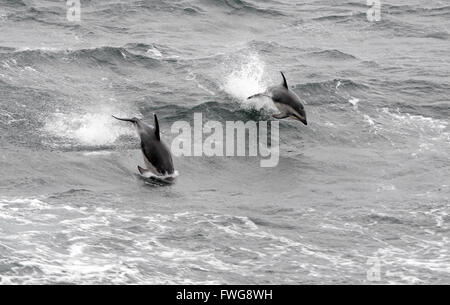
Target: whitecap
{"x": 246, "y": 78}
{"x": 93, "y": 129}
{"x": 354, "y": 101}
{"x": 154, "y": 52}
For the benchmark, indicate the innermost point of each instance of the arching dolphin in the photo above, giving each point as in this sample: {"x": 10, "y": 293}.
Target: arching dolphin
{"x": 286, "y": 101}
{"x": 157, "y": 156}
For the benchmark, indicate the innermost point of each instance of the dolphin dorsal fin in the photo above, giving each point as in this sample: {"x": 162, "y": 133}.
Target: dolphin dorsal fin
{"x": 284, "y": 81}
{"x": 157, "y": 134}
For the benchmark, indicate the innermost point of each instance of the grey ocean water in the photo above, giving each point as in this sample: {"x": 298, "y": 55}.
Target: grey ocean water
{"x": 367, "y": 179}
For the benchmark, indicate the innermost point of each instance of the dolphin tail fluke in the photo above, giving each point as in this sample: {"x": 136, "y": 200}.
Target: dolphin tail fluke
{"x": 258, "y": 95}
{"x": 133, "y": 120}
{"x": 143, "y": 171}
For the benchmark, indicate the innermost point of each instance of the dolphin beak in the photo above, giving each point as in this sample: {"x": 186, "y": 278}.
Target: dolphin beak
{"x": 302, "y": 119}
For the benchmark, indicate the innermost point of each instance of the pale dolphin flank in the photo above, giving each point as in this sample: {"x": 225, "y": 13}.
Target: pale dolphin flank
{"x": 287, "y": 102}
{"x": 157, "y": 156}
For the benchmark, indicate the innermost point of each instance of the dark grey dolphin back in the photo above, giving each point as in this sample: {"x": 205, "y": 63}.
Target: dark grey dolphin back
{"x": 284, "y": 96}
{"x": 281, "y": 94}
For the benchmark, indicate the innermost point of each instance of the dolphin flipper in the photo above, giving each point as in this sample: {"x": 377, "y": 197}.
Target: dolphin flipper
{"x": 144, "y": 171}
{"x": 281, "y": 116}
{"x": 141, "y": 170}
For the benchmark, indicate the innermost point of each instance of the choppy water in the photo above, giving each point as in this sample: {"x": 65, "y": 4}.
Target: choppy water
{"x": 369, "y": 177}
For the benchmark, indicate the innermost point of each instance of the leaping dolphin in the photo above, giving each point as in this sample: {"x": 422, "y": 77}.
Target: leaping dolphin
{"x": 287, "y": 102}
{"x": 157, "y": 156}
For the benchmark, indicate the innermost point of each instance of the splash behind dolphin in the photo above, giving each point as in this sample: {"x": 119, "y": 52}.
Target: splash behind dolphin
{"x": 287, "y": 102}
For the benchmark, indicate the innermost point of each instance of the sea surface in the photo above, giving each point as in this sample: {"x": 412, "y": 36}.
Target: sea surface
{"x": 361, "y": 195}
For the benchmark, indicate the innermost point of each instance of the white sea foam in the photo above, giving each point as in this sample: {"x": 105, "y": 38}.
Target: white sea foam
{"x": 354, "y": 101}
{"x": 417, "y": 122}
{"x": 155, "y": 52}
{"x": 369, "y": 120}
{"x": 392, "y": 257}
{"x": 431, "y": 134}
{"x": 22, "y": 210}
{"x": 31, "y": 202}
{"x": 247, "y": 77}
{"x": 88, "y": 128}
{"x": 96, "y": 153}
{"x": 45, "y": 49}
{"x": 149, "y": 175}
